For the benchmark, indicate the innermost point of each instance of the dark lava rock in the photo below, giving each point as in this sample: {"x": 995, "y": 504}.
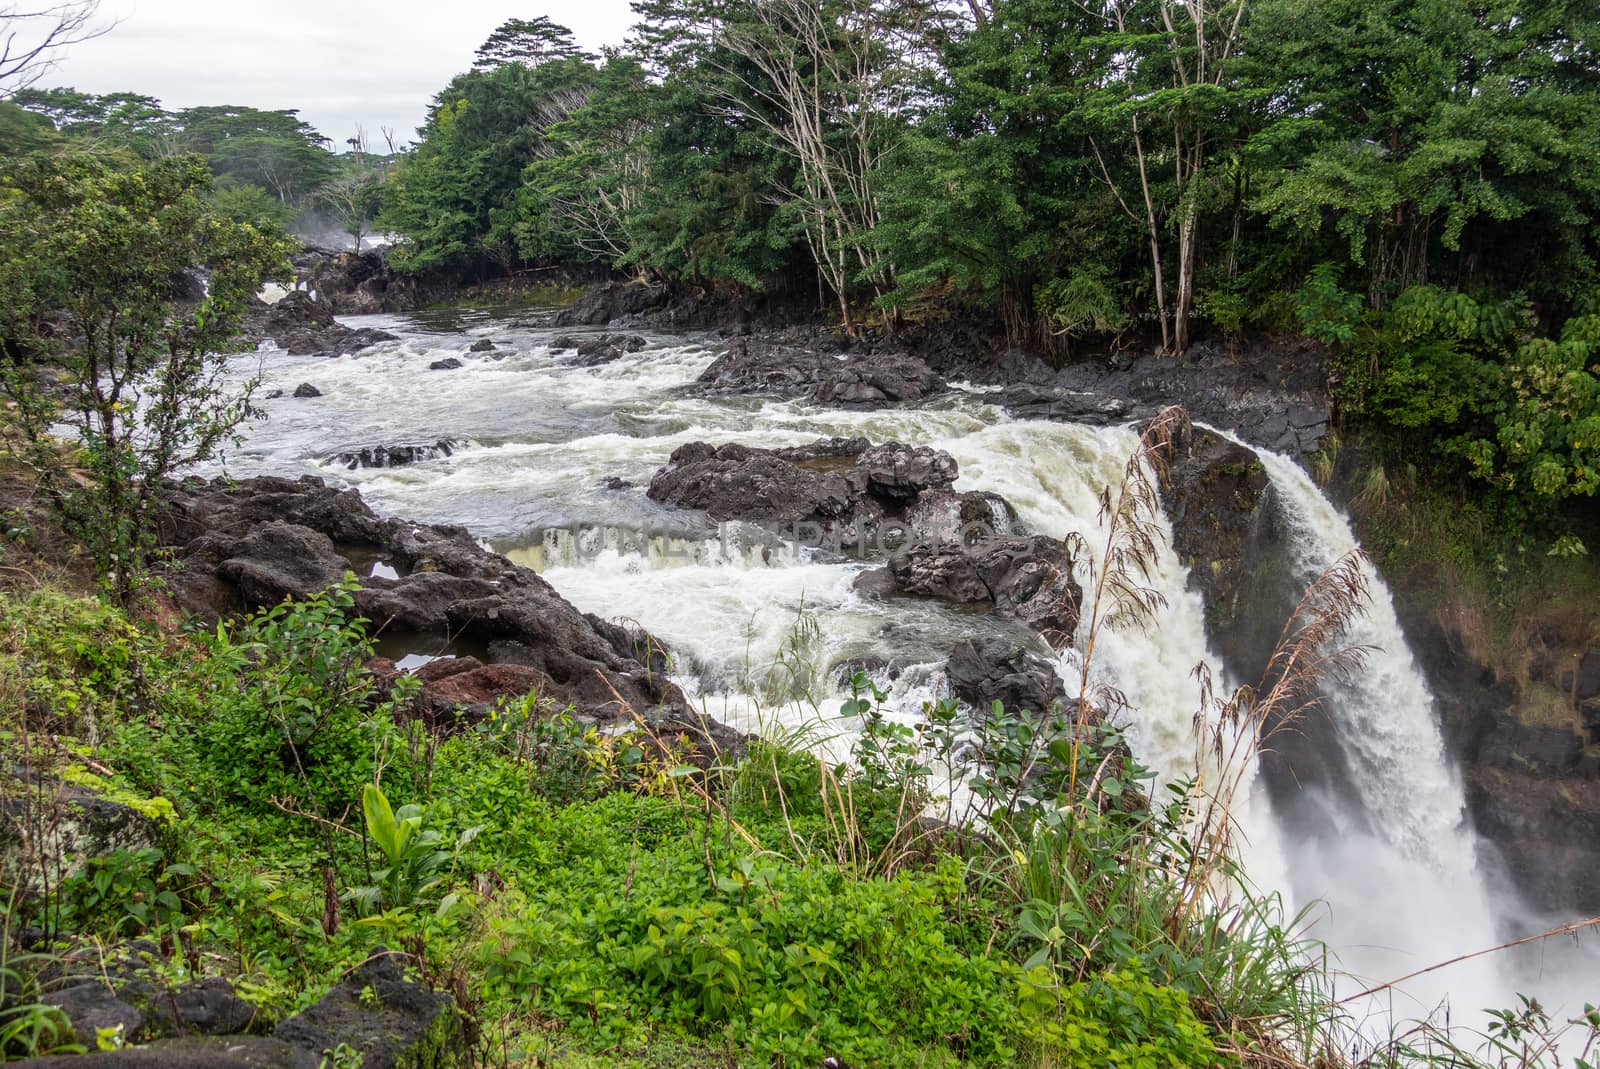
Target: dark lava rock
{"x": 301, "y": 325}
{"x": 305, "y": 389}
{"x": 482, "y": 345}
{"x": 996, "y": 670}
{"x": 1027, "y": 579}
{"x": 91, "y": 1007}
{"x": 392, "y": 1022}
{"x": 195, "y": 1052}
{"x": 396, "y": 456}
{"x": 613, "y": 300}
{"x": 602, "y": 349}
{"x": 353, "y": 283}
{"x": 1584, "y": 683}
{"x": 1272, "y": 394}
{"x": 1216, "y": 496}
{"x": 462, "y": 688}
{"x": 449, "y": 363}
{"x": 868, "y": 379}
{"x": 1034, "y": 401}
{"x": 838, "y": 490}
{"x": 250, "y": 544}
{"x": 615, "y": 482}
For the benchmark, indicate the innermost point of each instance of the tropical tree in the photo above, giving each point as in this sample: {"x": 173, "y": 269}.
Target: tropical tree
{"x": 97, "y": 339}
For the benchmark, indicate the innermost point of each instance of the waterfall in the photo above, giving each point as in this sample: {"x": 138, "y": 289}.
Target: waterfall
{"x": 556, "y": 479}
{"x": 1397, "y": 872}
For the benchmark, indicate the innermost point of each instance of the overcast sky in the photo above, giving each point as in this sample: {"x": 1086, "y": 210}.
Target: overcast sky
{"x": 340, "y": 62}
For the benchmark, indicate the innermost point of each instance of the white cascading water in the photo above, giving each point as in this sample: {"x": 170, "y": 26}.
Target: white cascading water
{"x": 544, "y": 439}
{"x": 1411, "y": 895}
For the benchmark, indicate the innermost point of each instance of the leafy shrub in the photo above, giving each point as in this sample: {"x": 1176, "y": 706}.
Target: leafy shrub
{"x": 125, "y": 893}
{"x": 294, "y": 714}
{"x": 1118, "y": 1018}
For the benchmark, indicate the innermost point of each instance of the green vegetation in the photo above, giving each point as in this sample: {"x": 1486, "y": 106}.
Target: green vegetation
{"x": 95, "y": 336}
{"x": 773, "y": 911}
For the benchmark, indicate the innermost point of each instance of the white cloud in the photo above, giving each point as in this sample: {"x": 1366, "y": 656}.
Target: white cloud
{"x": 339, "y": 63}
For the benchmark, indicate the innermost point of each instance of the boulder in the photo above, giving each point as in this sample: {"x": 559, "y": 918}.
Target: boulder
{"x": 866, "y": 379}
{"x": 306, "y": 390}
{"x": 834, "y": 491}
{"x": 449, "y": 363}
{"x": 1027, "y": 579}
{"x": 94, "y": 1006}
{"x": 612, "y": 300}
{"x": 395, "y": 456}
{"x": 302, "y": 325}
{"x": 482, "y": 345}
{"x": 393, "y": 1022}
{"x": 981, "y": 674}
{"x": 259, "y": 540}
{"x": 281, "y": 560}
{"x": 51, "y": 829}
{"x": 601, "y": 349}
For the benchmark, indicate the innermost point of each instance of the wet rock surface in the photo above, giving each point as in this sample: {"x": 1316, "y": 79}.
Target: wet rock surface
{"x": 256, "y": 542}
{"x": 844, "y": 491}
{"x": 981, "y": 674}
{"x": 599, "y": 349}
{"x": 1028, "y": 579}
{"x": 1216, "y": 497}
{"x": 609, "y": 301}
{"x": 396, "y": 456}
{"x": 868, "y": 379}
{"x": 302, "y": 325}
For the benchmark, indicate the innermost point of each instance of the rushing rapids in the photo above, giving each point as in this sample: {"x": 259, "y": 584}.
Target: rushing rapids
{"x": 549, "y": 464}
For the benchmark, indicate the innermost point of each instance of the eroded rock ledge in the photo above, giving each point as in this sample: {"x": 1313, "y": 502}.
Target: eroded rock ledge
{"x": 845, "y": 492}
{"x": 251, "y": 544}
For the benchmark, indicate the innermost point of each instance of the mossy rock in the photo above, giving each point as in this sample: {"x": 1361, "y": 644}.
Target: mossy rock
{"x": 392, "y": 1022}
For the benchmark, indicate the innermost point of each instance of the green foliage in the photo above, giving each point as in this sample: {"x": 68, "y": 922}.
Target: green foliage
{"x": 78, "y": 660}
{"x": 1119, "y": 1018}
{"x": 243, "y": 202}
{"x": 124, "y": 894}
{"x": 140, "y": 380}
{"x": 413, "y": 860}
{"x": 1327, "y": 312}
{"x": 303, "y": 722}
{"x": 1471, "y": 387}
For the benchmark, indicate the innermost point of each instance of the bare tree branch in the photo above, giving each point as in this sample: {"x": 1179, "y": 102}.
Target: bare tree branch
{"x": 32, "y": 37}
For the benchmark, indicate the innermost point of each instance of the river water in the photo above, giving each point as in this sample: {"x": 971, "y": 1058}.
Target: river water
{"x": 552, "y": 469}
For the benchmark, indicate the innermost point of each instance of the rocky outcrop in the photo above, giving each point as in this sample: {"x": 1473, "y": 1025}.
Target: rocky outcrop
{"x": 302, "y": 325}
{"x": 376, "y": 1014}
{"x": 613, "y": 300}
{"x": 395, "y": 456}
{"x": 351, "y": 283}
{"x": 847, "y": 378}
{"x": 1027, "y": 579}
{"x": 1272, "y": 394}
{"x": 254, "y": 543}
{"x": 394, "y": 1023}
{"x": 597, "y": 350}
{"x": 838, "y": 491}
{"x": 1048, "y": 401}
{"x": 981, "y": 674}
{"x": 49, "y": 829}
{"x": 1215, "y": 495}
